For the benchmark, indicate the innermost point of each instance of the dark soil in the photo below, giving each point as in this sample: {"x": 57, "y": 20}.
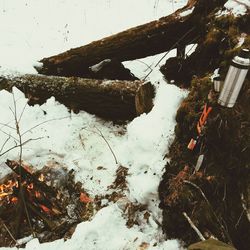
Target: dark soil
{"x": 214, "y": 196}
{"x": 217, "y": 197}
{"x": 52, "y": 217}
{"x": 217, "y": 44}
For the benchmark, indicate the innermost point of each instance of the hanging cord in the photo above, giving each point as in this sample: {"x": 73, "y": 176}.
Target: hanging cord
{"x": 191, "y": 47}
{"x": 175, "y": 44}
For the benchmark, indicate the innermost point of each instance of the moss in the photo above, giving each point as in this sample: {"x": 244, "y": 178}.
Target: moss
{"x": 217, "y": 45}
{"x": 224, "y": 174}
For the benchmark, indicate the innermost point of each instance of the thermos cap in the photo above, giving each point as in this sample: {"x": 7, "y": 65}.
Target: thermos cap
{"x": 244, "y": 53}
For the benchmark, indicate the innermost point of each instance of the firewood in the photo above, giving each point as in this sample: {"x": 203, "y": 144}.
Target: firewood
{"x": 115, "y": 100}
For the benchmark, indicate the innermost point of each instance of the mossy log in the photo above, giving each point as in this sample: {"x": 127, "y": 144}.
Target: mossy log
{"x": 215, "y": 49}
{"x": 115, "y": 100}
{"x": 182, "y": 27}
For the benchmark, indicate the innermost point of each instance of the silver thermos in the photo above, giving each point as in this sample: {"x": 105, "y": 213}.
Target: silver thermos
{"x": 217, "y": 83}
{"x": 235, "y": 78}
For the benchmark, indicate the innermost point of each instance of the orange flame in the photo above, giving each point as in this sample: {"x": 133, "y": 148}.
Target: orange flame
{"x": 41, "y": 177}
{"x": 7, "y": 188}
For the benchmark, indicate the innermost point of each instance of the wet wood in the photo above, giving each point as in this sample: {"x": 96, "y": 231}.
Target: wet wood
{"x": 115, "y": 100}
{"x": 182, "y": 27}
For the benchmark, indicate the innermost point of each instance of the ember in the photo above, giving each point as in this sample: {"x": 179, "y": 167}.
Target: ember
{"x": 7, "y": 188}
{"x": 38, "y": 203}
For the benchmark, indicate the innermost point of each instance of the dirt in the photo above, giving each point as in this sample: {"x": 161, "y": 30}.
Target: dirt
{"x": 216, "y": 197}
{"x": 51, "y": 216}
{"x": 216, "y": 45}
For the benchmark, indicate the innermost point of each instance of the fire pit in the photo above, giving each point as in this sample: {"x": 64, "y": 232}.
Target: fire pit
{"x": 47, "y": 204}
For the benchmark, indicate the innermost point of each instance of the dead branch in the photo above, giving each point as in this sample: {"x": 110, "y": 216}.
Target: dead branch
{"x": 193, "y": 226}
{"x": 223, "y": 228}
{"x": 20, "y": 162}
{"x": 8, "y": 231}
{"x": 18, "y": 145}
{"x": 103, "y": 137}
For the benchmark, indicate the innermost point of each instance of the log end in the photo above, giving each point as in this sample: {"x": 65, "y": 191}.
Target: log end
{"x": 144, "y": 98}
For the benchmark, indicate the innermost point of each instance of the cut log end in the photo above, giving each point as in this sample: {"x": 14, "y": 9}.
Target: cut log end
{"x": 144, "y": 98}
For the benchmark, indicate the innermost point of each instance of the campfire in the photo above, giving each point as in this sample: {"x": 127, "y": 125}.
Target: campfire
{"x": 47, "y": 204}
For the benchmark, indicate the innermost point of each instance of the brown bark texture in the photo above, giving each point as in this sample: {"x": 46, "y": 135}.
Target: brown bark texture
{"x": 181, "y": 27}
{"x": 115, "y": 100}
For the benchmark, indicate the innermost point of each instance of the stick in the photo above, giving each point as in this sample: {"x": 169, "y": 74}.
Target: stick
{"x": 20, "y": 162}
{"x": 55, "y": 119}
{"x": 226, "y": 234}
{"x": 17, "y": 146}
{"x": 193, "y": 226}
{"x": 6, "y": 228}
{"x": 101, "y": 134}
{"x": 4, "y": 144}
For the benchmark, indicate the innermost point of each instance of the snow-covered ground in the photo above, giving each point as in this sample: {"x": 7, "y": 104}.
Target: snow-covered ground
{"x": 70, "y": 139}
{"x": 31, "y": 30}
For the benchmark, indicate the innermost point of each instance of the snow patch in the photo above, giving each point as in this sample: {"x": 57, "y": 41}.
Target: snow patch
{"x": 187, "y": 12}
{"x": 235, "y": 7}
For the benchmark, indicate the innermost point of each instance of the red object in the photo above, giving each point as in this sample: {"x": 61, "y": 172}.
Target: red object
{"x": 84, "y": 198}
{"x": 203, "y": 118}
{"x": 191, "y": 144}
{"x": 45, "y": 209}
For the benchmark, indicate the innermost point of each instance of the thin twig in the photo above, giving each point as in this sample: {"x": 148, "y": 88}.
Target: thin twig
{"x": 190, "y": 49}
{"x": 9, "y": 135}
{"x": 4, "y": 144}
{"x": 81, "y": 140}
{"x": 103, "y": 137}
{"x": 55, "y": 119}
{"x": 7, "y": 229}
{"x": 22, "y": 112}
{"x": 193, "y": 226}
{"x": 140, "y": 61}
{"x": 18, "y": 145}
{"x": 20, "y": 163}
{"x": 107, "y": 144}
{"x": 6, "y": 125}
{"x": 238, "y": 221}
{"x": 211, "y": 208}
{"x": 174, "y": 45}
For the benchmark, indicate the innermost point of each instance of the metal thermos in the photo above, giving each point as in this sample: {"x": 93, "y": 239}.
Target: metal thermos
{"x": 217, "y": 83}
{"x": 235, "y": 78}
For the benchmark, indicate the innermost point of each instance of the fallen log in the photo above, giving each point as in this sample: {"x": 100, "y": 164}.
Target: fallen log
{"x": 180, "y": 28}
{"x": 115, "y": 100}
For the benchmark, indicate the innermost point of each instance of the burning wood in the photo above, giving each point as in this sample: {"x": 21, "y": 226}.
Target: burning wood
{"x": 53, "y": 206}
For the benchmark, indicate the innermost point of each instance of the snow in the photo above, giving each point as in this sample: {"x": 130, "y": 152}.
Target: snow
{"x": 139, "y": 147}
{"x": 31, "y": 30}
{"x": 92, "y": 235}
{"x": 187, "y": 12}
{"x": 236, "y": 7}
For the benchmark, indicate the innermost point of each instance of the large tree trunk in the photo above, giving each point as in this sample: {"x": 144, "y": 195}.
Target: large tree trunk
{"x": 181, "y": 27}
{"x": 115, "y": 100}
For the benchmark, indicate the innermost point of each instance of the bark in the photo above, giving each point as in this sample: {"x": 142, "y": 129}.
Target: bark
{"x": 181, "y": 27}
{"x": 115, "y": 100}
